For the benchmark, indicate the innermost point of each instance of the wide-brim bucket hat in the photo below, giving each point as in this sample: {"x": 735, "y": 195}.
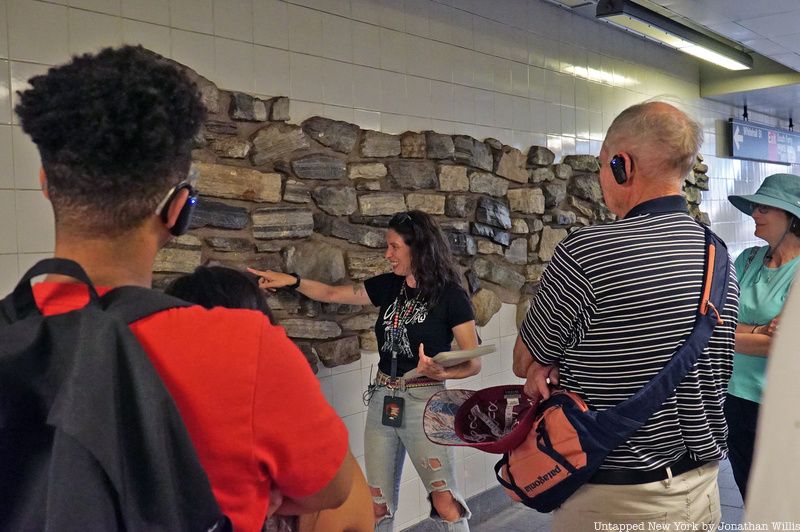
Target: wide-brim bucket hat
{"x": 494, "y": 420}
{"x": 781, "y": 191}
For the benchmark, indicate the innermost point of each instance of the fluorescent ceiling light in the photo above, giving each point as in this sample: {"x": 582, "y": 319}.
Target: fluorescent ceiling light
{"x": 593, "y": 74}
{"x": 667, "y": 31}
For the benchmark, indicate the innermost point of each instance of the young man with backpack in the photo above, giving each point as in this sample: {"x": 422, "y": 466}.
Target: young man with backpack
{"x": 614, "y": 306}
{"x": 114, "y": 131}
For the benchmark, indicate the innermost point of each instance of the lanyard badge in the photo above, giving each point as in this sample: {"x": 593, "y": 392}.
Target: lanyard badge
{"x": 393, "y": 406}
{"x": 392, "y": 411}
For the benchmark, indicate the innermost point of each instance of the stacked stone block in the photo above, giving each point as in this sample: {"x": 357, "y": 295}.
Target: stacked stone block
{"x": 315, "y": 199}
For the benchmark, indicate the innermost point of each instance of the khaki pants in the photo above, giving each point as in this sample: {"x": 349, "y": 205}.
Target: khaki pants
{"x": 690, "y": 500}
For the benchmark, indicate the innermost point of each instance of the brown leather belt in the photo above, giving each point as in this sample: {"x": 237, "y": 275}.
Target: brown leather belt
{"x": 637, "y": 476}
{"x": 399, "y": 383}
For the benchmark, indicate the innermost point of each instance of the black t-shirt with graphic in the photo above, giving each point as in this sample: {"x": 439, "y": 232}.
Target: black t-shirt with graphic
{"x": 430, "y": 326}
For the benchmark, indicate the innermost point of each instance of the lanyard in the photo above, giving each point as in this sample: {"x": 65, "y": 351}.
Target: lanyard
{"x": 404, "y": 309}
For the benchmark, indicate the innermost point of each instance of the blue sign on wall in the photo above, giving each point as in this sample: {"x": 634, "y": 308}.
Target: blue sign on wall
{"x": 763, "y": 143}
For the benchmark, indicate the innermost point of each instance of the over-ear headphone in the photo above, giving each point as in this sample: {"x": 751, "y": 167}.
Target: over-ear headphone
{"x": 617, "y": 164}
{"x": 185, "y": 216}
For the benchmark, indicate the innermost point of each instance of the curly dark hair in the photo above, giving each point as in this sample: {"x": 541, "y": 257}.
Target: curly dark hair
{"x": 431, "y": 258}
{"x": 218, "y": 286}
{"x": 114, "y": 131}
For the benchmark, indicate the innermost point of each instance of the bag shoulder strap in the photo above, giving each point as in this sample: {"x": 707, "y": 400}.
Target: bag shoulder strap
{"x": 132, "y": 303}
{"x": 750, "y": 257}
{"x": 21, "y": 302}
{"x": 644, "y": 403}
{"x": 128, "y": 303}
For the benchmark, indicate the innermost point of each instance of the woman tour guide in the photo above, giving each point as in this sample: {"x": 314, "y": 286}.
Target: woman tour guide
{"x": 423, "y": 306}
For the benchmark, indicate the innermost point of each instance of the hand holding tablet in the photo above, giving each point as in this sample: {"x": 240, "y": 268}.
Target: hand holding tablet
{"x": 452, "y": 358}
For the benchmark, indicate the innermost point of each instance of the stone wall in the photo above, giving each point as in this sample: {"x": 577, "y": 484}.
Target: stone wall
{"x": 315, "y": 199}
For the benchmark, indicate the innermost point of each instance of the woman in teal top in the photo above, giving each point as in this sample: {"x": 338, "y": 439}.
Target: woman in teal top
{"x": 765, "y": 275}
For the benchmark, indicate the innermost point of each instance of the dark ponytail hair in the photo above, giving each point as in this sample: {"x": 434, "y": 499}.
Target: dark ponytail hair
{"x": 431, "y": 258}
{"x": 794, "y": 224}
{"x": 217, "y": 286}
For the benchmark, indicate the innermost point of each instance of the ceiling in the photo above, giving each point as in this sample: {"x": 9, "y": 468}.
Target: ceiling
{"x": 769, "y": 28}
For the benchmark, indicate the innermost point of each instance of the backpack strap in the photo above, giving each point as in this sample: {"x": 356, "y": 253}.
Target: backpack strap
{"x": 636, "y": 410}
{"x": 132, "y": 303}
{"x": 128, "y": 303}
{"x": 21, "y": 302}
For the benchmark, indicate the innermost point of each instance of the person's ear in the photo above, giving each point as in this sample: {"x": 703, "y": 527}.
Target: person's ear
{"x": 622, "y": 168}
{"x": 43, "y": 183}
{"x": 175, "y": 207}
{"x": 629, "y": 169}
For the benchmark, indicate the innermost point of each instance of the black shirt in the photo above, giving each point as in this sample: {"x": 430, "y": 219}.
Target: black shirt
{"x": 420, "y": 323}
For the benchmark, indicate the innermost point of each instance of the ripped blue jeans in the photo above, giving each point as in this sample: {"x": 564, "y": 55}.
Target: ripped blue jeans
{"x": 385, "y": 451}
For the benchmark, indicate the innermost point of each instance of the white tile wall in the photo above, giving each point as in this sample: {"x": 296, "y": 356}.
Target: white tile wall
{"x": 192, "y": 15}
{"x": 3, "y": 29}
{"x": 8, "y": 223}
{"x": 337, "y": 38}
{"x": 90, "y": 32}
{"x": 112, "y": 7}
{"x": 5, "y": 93}
{"x": 366, "y": 44}
{"x": 26, "y": 260}
{"x": 234, "y": 62}
{"x": 25, "y": 160}
{"x": 305, "y": 74}
{"x": 337, "y": 83}
{"x": 264, "y": 61}
{"x": 28, "y": 23}
{"x": 151, "y": 36}
{"x": 233, "y": 19}
{"x": 367, "y": 92}
{"x": 36, "y": 232}
{"x": 194, "y": 49}
{"x": 155, "y": 11}
{"x": 522, "y": 71}
{"x": 271, "y": 24}
{"x": 6, "y": 160}
{"x": 305, "y": 30}
{"x": 9, "y": 272}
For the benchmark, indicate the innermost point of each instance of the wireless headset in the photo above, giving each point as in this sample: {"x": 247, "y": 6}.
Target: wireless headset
{"x": 617, "y": 164}
{"x": 185, "y": 216}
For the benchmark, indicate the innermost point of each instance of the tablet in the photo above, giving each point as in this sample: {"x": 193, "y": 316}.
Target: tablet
{"x": 452, "y": 358}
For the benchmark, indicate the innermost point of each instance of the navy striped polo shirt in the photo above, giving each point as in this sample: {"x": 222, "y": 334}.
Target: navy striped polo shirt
{"x": 613, "y": 306}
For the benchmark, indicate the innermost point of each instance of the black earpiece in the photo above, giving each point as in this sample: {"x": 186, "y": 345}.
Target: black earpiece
{"x": 185, "y": 216}
{"x": 617, "y": 164}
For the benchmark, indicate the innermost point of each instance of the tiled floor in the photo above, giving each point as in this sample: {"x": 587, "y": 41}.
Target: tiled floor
{"x": 521, "y": 519}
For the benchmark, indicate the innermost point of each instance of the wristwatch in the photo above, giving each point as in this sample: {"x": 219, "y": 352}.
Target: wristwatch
{"x": 296, "y": 284}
